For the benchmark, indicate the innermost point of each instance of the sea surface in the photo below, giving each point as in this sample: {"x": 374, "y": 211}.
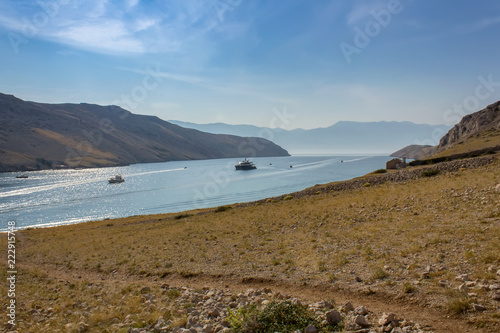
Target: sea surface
{"x": 56, "y": 197}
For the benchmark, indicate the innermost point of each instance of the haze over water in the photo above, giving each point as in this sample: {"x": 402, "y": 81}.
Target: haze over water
{"x": 55, "y": 197}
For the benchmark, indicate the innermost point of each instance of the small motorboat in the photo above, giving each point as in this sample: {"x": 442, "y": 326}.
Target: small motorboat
{"x": 245, "y": 165}
{"x": 116, "y": 179}
{"x": 22, "y": 176}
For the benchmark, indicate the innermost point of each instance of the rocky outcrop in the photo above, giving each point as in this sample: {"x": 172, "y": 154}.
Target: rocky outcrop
{"x": 414, "y": 151}
{"x": 472, "y": 124}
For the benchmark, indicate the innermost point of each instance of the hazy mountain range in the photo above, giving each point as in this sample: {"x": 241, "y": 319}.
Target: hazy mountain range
{"x": 40, "y": 136}
{"x": 344, "y": 137}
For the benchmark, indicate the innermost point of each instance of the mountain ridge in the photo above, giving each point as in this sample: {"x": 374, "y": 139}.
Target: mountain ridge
{"x": 39, "y": 136}
{"x": 341, "y": 137}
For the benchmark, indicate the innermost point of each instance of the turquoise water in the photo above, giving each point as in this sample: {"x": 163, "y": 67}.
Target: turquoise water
{"x": 55, "y": 197}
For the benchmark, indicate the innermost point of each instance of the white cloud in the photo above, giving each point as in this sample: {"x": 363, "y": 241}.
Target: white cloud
{"x": 132, "y": 3}
{"x": 108, "y": 26}
{"x": 108, "y": 37}
{"x": 361, "y": 10}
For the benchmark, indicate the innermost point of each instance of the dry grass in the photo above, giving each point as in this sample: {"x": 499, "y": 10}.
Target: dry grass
{"x": 479, "y": 141}
{"x": 385, "y": 235}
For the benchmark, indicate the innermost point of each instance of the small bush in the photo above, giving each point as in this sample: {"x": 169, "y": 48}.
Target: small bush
{"x": 367, "y": 185}
{"x": 380, "y": 171}
{"x": 288, "y": 197}
{"x": 408, "y": 288}
{"x": 275, "y": 317}
{"x": 182, "y": 216}
{"x": 430, "y": 173}
{"x": 379, "y": 274}
{"x": 222, "y": 209}
{"x": 459, "y": 305}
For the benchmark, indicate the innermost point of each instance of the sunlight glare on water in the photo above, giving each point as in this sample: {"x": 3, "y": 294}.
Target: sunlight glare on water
{"x": 54, "y": 197}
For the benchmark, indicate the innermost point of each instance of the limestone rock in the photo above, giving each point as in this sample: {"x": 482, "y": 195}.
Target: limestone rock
{"x": 386, "y": 319}
{"x": 348, "y": 307}
{"x": 478, "y": 307}
{"x": 333, "y": 317}
{"x": 361, "y": 321}
{"x": 361, "y": 310}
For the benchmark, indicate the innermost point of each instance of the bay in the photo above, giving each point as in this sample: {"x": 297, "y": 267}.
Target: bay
{"x": 56, "y": 197}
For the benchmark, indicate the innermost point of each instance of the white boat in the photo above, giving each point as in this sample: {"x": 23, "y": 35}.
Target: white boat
{"x": 116, "y": 179}
{"x": 245, "y": 165}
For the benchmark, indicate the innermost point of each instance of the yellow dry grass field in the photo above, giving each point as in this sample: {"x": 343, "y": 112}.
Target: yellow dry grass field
{"x": 404, "y": 242}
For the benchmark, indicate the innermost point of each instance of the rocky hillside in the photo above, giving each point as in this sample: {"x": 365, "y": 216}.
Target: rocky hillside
{"x": 487, "y": 120}
{"x": 41, "y": 136}
{"x": 414, "y": 151}
{"x": 476, "y": 132}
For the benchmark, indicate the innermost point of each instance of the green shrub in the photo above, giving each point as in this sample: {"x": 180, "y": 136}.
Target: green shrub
{"x": 430, "y": 173}
{"x": 275, "y": 317}
{"x": 182, "y": 216}
{"x": 288, "y": 197}
{"x": 378, "y": 274}
{"x": 222, "y": 209}
{"x": 380, "y": 171}
{"x": 367, "y": 185}
{"x": 408, "y": 288}
{"x": 459, "y": 305}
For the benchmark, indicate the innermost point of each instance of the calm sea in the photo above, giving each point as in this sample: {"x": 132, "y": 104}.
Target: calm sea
{"x": 55, "y": 197}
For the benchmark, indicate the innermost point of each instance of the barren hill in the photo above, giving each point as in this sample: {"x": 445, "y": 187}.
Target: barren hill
{"x": 479, "y": 131}
{"x": 40, "y": 136}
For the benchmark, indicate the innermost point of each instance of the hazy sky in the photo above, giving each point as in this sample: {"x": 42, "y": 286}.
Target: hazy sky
{"x": 288, "y": 63}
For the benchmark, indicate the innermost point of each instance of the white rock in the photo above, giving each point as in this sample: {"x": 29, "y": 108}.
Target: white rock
{"x": 361, "y": 310}
{"x": 497, "y": 188}
{"x": 478, "y": 307}
{"x": 463, "y": 277}
{"x": 207, "y": 329}
{"x": 386, "y": 319}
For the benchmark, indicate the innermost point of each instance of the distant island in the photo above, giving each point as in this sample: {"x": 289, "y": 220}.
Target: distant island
{"x": 37, "y": 136}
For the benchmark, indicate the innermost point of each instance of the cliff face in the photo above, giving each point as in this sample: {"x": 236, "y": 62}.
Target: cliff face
{"x": 472, "y": 124}
{"x": 39, "y": 136}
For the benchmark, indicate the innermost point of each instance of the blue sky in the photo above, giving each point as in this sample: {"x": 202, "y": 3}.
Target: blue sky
{"x": 248, "y": 61}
